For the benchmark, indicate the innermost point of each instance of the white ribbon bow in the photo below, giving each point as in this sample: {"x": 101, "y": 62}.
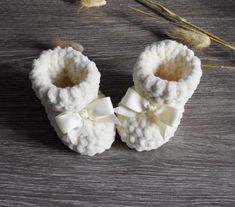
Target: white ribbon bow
{"x": 98, "y": 110}
{"x": 133, "y": 103}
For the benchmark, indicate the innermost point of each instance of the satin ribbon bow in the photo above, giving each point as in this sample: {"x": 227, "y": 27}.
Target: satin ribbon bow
{"x": 133, "y": 104}
{"x": 98, "y": 110}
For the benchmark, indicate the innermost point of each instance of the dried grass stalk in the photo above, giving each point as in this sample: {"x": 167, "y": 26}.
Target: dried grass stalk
{"x": 189, "y": 37}
{"x": 218, "y": 67}
{"x": 178, "y": 20}
{"x": 66, "y": 43}
{"x": 92, "y": 3}
{"x": 182, "y": 33}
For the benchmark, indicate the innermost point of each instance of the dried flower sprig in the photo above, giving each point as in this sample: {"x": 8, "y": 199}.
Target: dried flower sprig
{"x": 92, "y": 3}
{"x": 218, "y": 67}
{"x": 189, "y": 37}
{"x": 176, "y": 26}
{"x": 178, "y": 20}
{"x": 181, "y": 33}
{"x": 66, "y": 43}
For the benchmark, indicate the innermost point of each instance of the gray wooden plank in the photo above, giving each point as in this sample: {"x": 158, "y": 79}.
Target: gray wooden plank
{"x": 196, "y": 168}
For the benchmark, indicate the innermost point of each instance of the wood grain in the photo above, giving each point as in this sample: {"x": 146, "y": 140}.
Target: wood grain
{"x": 196, "y": 168}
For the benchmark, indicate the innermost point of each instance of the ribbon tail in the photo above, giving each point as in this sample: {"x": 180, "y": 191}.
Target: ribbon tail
{"x": 68, "y": 121}
{"x": 111, "y": 119}
{"x": 168, "y": 115}
{"x": 74, "y": 135}
{"x": 124, "y": 111}
{"x": 131, "y": 104}
{"x": 162, "y": 128}
{"x": 102, "y": 110}
{"x": 134, "y": 101}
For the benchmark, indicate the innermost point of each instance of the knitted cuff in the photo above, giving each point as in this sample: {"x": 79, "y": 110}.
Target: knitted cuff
{"x": 167, "y": 72}
{"x": 65, "y": 78}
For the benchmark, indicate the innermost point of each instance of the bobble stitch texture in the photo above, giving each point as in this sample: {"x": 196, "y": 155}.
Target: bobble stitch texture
{"x": 166, "y": 72}
{"x": 94, "y": 137}
{"x": 172, "y": 56}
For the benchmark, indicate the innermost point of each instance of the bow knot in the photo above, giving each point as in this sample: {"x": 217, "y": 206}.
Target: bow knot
{"x": 98, "y": 110}
{"x": 84, "y": 114}
{"x": 133, "y": 104}
{"x": 151, "y": 108}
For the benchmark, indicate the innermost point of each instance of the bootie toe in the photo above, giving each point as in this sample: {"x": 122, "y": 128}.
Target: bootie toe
{"x": 165, "y": 76}
{"x": 67, "y": 83}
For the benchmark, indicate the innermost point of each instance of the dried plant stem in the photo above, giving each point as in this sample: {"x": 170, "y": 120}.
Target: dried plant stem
{"x": 143, "y": 12}
{"x": 182, "y": 33}
{"x": 156, "y": 17}
{"x": 66, "y": 43}
{"x": 194, "y": 39}
{"x": 217, "y": 67}
{"x": 92, "y": 3}
{"x": 176, "y": 19}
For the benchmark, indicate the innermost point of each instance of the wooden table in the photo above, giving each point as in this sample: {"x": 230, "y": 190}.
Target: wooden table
{"x": 196, "y": 168}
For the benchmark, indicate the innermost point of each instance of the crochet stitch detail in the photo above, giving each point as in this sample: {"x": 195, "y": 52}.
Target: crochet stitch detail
{"x": 167, "y": 72}
{"x": 54, "y": 67}
{"x": 66, "y": 80}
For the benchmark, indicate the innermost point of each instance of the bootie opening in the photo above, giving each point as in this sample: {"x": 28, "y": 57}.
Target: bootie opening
{"x": 174, "y": 69}
{"x": 167, "y": 72}
{"x": 69, "y": 76}
{"x": 66, "y": 78}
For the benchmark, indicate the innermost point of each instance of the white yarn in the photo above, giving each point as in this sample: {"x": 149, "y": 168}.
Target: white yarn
{"x": 142, "y": 134}
{"x": 177, "y": 62}
{"x": 94, "y": 137}
{"x": 51, "y": 66}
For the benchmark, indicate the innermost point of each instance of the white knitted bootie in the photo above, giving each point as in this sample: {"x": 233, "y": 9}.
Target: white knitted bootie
{"x": 165, "y": 76}
{"x": 67, "y": 83}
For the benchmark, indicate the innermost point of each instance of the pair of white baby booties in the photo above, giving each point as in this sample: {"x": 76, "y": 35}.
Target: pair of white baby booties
{"x": 67, "y": 83}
